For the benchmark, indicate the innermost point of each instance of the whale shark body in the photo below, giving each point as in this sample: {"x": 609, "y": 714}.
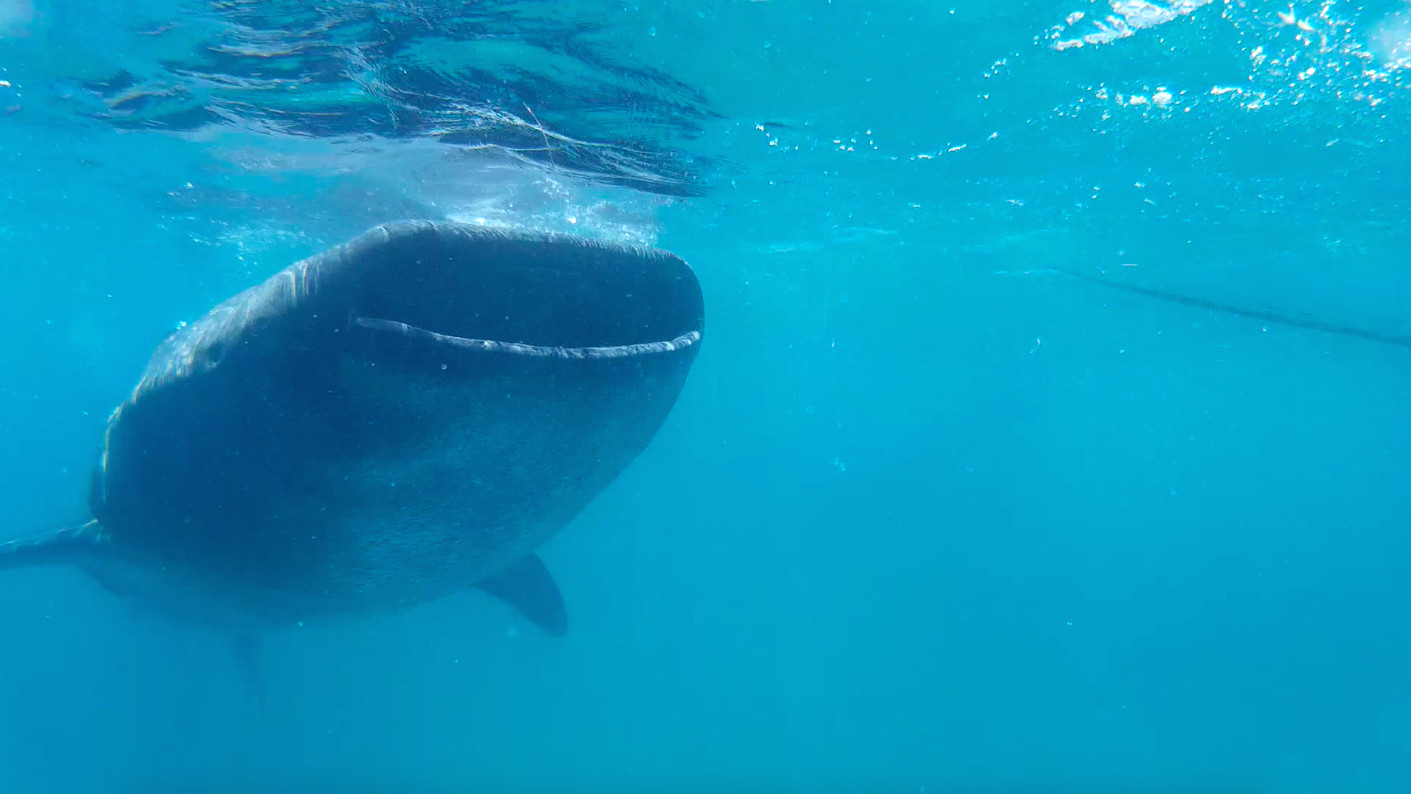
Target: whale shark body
{"x": 398, "y": 418}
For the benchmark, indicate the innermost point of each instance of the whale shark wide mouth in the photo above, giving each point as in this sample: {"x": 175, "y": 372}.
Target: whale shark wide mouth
{"x": 529, "y": 295}
{"x": 495, "y": 346}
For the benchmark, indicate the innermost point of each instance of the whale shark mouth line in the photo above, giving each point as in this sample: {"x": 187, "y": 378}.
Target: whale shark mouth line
{"x": 497, "y": 347}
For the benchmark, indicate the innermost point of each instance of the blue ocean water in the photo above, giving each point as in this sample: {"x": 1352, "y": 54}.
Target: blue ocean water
{"x": 942, "y": 508}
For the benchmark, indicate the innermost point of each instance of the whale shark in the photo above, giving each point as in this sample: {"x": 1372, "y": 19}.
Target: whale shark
{"x": 401, "y": 417}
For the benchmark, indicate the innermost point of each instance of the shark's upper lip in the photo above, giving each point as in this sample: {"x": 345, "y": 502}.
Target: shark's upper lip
{"x": 521, "y": 293}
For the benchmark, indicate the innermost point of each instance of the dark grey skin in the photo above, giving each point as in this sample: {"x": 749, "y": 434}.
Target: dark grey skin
{"x": 383, "y": 424}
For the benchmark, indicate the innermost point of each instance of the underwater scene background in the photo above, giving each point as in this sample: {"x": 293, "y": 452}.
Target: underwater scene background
{"x": 1049, "y": 433}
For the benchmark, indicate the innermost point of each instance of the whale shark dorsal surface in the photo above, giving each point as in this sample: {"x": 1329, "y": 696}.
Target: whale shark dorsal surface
{"x": 382, "y": 424}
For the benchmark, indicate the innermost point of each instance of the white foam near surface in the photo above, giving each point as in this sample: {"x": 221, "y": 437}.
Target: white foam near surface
{"x": 363, "y": 182}
{"x": 1390, "y": 40}
{"x": 1127, "y": 17}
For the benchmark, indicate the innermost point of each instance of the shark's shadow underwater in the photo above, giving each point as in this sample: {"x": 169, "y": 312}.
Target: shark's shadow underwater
{"x": 404, "y": 416}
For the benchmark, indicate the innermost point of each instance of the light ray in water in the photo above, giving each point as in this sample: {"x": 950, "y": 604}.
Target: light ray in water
{"x": 1254, "y": 314}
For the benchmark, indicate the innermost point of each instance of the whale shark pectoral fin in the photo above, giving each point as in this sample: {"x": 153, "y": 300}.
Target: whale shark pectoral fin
{"x": 249, "y": 650}
{"x": 68, "y": 546}
{"x": 528, "y": 586}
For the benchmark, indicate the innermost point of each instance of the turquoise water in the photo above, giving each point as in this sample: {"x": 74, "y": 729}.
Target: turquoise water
{"x": 932, "y": 514}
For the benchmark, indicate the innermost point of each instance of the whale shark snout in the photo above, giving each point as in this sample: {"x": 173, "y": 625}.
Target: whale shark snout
{"x": 543, "y": 295}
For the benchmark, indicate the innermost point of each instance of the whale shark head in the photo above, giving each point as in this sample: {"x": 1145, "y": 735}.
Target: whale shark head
{"x": 488, "y": 293}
